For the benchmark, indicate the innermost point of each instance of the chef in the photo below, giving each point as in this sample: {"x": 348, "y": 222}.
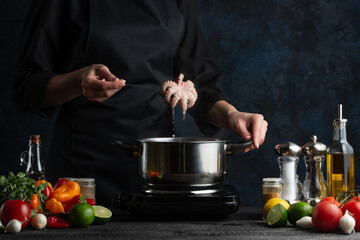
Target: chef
{"x": 76, "y": 57}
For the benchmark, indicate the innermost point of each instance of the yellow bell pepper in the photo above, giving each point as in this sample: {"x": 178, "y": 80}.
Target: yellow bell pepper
{"x": 66, "y": 192}
{"x": 54, "y": 206}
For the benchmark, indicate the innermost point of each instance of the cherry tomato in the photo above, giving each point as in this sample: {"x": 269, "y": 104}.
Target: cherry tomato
{"x": 353, "y": 207}
{"x": 326, "y": 216}
{"x": 332, "y": 200}
{"x": 15, "y": 209}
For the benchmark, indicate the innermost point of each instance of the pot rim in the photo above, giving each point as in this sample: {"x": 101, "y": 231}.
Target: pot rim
{"x": 181, "y": 140}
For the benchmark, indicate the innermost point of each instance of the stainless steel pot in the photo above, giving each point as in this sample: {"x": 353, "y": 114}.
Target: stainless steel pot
{"x": 182, "y": 161}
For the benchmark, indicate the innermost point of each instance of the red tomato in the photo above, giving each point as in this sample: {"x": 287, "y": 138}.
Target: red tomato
{"x": 353, "y": 207}
{"x": 326, "y": 216}
{"x": 15, "y": 209}
{"x": 357, "y": 198}
{"x": 332, "y": 200}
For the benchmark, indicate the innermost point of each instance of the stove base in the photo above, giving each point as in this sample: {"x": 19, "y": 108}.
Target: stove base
{"x": 214, "y": 205}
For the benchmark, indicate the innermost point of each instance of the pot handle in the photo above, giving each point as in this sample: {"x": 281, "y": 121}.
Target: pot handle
{"x": 233, "y": 149}
{"x": 131, "y": 149}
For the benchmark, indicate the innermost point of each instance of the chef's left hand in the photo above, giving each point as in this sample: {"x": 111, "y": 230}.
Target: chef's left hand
{"x": 248, "y": 126}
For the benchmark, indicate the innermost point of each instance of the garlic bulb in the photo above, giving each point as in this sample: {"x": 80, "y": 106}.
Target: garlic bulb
{"x": 347, "y": 223}
{"x": 39, "y": 221}
{"x": 2, "y": 228}
{"x": 304, "y": 222}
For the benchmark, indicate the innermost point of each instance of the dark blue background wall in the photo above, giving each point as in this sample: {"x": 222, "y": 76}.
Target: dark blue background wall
{"x": 293, "y": 61}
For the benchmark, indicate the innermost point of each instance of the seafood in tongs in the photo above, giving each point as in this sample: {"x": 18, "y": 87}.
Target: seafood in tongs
{"x": 182, "y": 92}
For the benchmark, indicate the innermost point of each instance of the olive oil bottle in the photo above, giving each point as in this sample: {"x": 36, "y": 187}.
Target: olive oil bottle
{"x": 340, "y": 159}
{"x": 32, "y": 159}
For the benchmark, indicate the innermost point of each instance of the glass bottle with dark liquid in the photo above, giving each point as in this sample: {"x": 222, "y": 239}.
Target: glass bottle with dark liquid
{"x": 32, "y": 159}
{"x": 340, "y": 159}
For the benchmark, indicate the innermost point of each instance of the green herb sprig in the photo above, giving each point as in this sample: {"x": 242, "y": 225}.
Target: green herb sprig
{"x": 20, "y": 187}
{"x": 345, "y": 196}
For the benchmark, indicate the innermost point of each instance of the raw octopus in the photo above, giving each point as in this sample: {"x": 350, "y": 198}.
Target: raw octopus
{"x": 179, "y": 91}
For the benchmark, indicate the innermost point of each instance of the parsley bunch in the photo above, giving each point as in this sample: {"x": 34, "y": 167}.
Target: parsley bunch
{"x": 20, "y": 187}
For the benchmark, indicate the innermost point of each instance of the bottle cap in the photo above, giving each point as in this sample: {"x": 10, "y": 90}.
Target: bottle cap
{"x": 313, "y": 148}
{"x": 271, "y": 180}
{"x": 288, "y": 149}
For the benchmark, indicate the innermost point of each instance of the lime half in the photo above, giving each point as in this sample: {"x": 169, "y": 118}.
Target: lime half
{"x": 102, "y": 214}
{"x": 277, "y": 216}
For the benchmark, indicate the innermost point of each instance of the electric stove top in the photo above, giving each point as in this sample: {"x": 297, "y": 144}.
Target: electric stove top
{"x": 219, "y": 204}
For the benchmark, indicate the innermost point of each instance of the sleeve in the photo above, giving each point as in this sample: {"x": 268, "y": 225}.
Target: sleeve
{"x": 47, "y": 32}
{"x": 197, "y": 61}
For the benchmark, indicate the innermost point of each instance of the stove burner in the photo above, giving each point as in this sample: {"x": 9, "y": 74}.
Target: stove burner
{"x": 191, "y": 189}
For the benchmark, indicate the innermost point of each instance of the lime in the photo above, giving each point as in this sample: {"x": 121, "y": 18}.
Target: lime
{"x": 277, "y": 216}
{"x": 299, "y": 210}
{"x": 272, "y": 202}
{"x": 102, "y": 214}
{"x": 81, "y": 215}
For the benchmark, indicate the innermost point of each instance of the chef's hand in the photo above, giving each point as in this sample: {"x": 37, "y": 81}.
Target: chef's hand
{"x": 248, "y": 126}
{"x": 99, "y": 84}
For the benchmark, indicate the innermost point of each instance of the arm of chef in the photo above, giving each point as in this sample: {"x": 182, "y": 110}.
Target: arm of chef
{"x": 213, "y": 109}
{"x": 53, "y": 38}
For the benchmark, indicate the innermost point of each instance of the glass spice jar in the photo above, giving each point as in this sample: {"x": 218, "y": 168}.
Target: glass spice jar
{"x": 271, "y": 188}
{"x": 87, "y": 187}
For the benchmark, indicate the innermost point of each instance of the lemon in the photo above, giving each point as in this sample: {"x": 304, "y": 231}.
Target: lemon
{"x": 299, "y": 210}
{"x": 81, "y": 215}
{"x": 277, "y": 216}
{"x": 272, "y": 202}
{"x": 102, "y": 214}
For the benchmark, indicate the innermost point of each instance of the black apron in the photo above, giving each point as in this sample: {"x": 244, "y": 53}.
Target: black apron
{"x": 137, "y": 41}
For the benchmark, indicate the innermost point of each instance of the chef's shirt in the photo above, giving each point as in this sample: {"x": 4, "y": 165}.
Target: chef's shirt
{"x": 145, "y": 42}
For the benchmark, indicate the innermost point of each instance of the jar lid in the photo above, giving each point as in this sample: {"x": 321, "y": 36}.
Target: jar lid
{"x": 313, "y": 148}
{"x": 271, "y": 180}
{"x": 288, "y": 149}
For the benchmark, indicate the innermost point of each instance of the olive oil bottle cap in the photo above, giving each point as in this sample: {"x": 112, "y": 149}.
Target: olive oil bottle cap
{"x": 339, "y": 120}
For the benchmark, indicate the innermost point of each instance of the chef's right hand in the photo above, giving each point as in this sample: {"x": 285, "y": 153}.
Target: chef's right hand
{"x": 99, "y": 84}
